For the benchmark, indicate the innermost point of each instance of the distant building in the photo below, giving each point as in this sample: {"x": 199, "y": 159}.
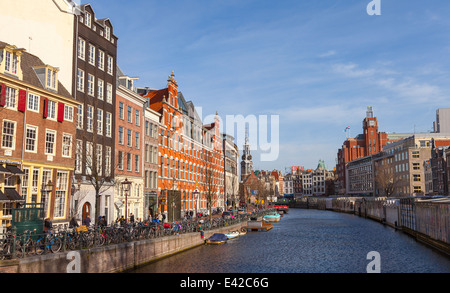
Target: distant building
{"x": 442, "y": 123}
{"x": 231, "y": 171}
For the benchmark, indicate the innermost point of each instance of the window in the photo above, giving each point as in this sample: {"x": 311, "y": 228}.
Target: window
{"x": 33, "y": 102}
{"x": 138, "y": 118}
{"x": 101, "y": 60}
{"x": 31, "y": 137}
{"x": 137, "y": 140}
{"x": 35, "y": 181}
{"x": 415, "y": 154}
{"x": 109, "y": 65}
{"x": 417, "y": 189}
{"x": 136, "y": 163}
{"x": 80, "y": 80}
{"x": 121, "y": 110}
{"x": 10, "y": 101}
{"x": 109, "y": 93}
{"x": 91, "y": 85}
{"x": 89, "y": 157}
{"x": 68, "y": 113}
{"x": 120, "y": 160}
{"x": 91, "y": 55}
{"x": 51, "y": 79}
{"x": 60, "y": 198}
{"x": 51, "y": 109}
{"x": 46, "y": 177}
{"x": 87, "y": 19}
{"x": 80, "y": 117}
{"x": 128, "y": 162}
{"x": 50, "y": 138}
{"x": 100, "y": 89}
{"x": 416, "y": 166}
{"x": 129, "y": 138}
{"x": 108, "y": 161}
{"x": 107, "y": 32}
{"x": 99, "y": 159}
{"x": 25, "y": 182}
{"x": 130, "y": 118}
{"x": 79, "y": 156}
{"x": 120, "y": 135}
{"x": 8, "y": 136}
{"x": 67, "y": 145}
{"x": 416, "y": 177}
{"x": 108, "y": 124}
{"x": 81, "y": 48}
{"x": 89, "y": 118}
{"x": 100, "y": 121}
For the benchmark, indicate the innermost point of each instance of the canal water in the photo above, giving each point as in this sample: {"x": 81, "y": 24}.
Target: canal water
{"x": 309, "y": 241}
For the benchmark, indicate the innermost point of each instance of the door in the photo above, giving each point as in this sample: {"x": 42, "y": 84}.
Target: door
{"x": 86, "y": 211}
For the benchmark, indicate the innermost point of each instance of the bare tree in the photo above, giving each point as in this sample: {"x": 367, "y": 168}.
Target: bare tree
{"x": 385, "y": 178}
{"x": 210, "y": 181}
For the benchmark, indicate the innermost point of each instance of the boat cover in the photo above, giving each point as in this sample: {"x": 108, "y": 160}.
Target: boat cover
{"x": 218, "y": 237}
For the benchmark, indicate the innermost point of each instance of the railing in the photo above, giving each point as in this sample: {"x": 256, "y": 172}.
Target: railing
{"x": 31, "y": 243}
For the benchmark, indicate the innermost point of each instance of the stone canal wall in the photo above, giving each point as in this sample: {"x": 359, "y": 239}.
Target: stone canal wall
{"x": 424, "y": 218}
{"x": 111, "y": 258}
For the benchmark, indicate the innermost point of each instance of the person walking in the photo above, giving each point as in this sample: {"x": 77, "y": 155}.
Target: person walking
{"x": 87, "y": 221}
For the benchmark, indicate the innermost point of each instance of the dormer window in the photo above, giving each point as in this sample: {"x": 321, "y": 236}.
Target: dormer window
{"x": 10, "y": 58}
{"x": 107, "y": 32}
{"x": 88, "y": 19}
{"x": 48, "y": 76}
{"x": 51, "y": 79}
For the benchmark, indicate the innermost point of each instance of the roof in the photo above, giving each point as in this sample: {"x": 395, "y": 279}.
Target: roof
{"x": 27, "y": 64}
{"x": 156, "y": 99}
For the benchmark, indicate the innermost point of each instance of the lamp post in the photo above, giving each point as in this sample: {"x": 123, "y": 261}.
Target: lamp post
{"x": 126, "y": 188}
{"x": 196, "y": 194}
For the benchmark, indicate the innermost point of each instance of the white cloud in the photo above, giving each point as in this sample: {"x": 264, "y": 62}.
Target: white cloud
{"x": 327, "y": 54}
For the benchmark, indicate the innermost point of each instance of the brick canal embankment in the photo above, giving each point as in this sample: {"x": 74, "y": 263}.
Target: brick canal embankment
{"x": 112, "y": 258}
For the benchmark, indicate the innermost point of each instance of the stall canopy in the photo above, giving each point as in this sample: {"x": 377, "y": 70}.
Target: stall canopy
{"x": 10, "y": 195}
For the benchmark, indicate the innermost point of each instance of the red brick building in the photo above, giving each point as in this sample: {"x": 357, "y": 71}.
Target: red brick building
{"x": 371, "y": 141}
{"x": 37, "y": 116}
{"x": 191, "y": 163}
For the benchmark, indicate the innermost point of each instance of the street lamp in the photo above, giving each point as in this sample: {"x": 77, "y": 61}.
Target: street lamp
{"x": 196, "y": 194}
{"x": 126, "y": 185}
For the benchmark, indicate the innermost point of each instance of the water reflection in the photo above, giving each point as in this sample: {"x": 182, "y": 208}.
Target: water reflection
{"x": 309, "y": 241}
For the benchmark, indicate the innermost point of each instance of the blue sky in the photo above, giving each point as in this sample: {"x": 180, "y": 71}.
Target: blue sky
{"x": 316, "y": 64}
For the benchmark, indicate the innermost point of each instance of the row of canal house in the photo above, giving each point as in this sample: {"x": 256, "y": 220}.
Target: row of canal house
{"x": 75, "y": 129}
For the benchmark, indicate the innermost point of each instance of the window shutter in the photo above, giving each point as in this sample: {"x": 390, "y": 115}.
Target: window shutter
{"x": 3, "y": 95}
{"x": 60, "y": 112}
{"x": 21, "y": 105}
{"x": 45, "y": 107}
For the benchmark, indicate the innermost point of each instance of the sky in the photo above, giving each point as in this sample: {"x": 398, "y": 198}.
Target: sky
{"x": 316, "y": 65}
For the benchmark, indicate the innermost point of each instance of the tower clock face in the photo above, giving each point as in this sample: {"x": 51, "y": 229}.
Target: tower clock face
{"x": 371, "y": 123}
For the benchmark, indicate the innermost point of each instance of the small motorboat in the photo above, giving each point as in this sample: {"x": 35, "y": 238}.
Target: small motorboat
{"x": 272, "y": 217}
{"x": 242, "y": 232}
{"x": 232, "y": 235}
{"x": 217, "y": 238}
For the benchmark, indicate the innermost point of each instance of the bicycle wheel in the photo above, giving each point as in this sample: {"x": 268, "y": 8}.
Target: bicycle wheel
{"x": 39, "y": 247}
{"x": 20, "y": 253}
{"x": 56, "y": 244}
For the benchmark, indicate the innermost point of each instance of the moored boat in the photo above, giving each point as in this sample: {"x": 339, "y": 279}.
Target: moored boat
{"x": 272, "y": 217}
{"x": 242, "y": 232}
{"x": 232, "y": 235}
{"x": 217, "y": 238}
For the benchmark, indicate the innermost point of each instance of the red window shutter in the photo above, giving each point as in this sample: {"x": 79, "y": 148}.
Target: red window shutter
{"x": 45, "y": 107}
{"x": 21, "y": 105}
{"x": 60, "y": 112}
{"x": 3, "y": 95}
